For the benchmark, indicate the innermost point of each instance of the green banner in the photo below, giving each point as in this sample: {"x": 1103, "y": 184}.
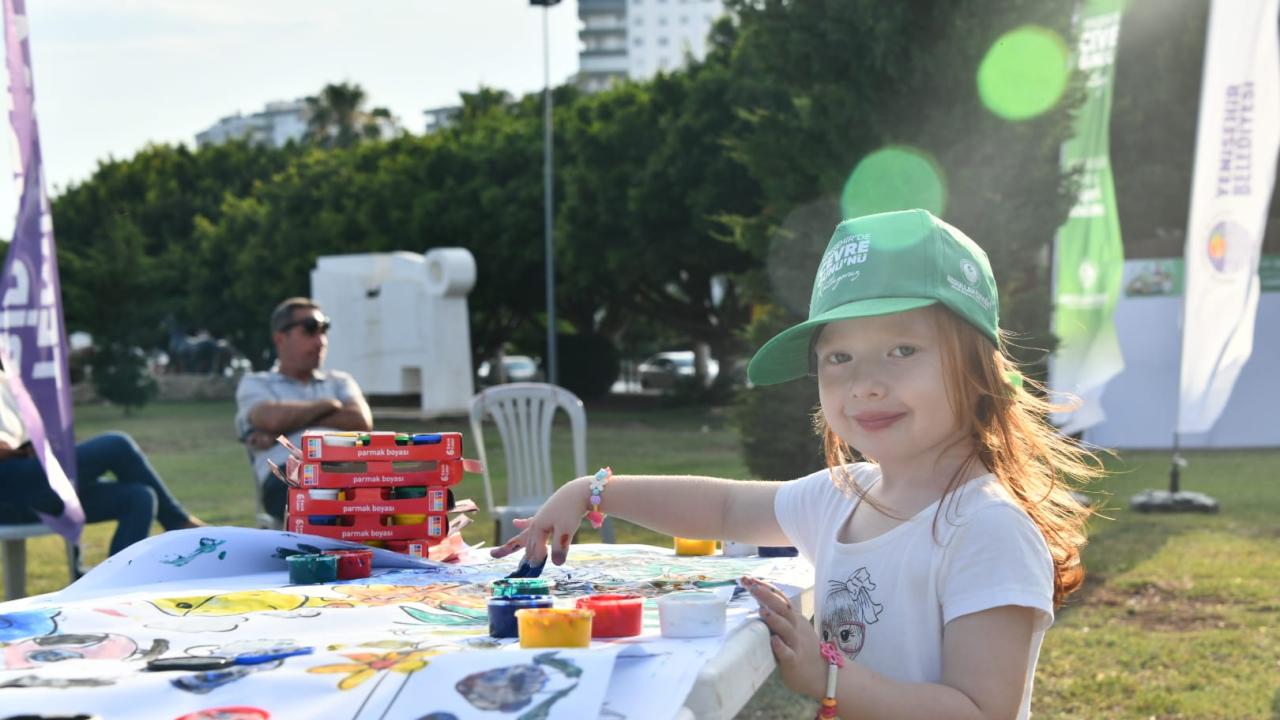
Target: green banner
{"x": 1089, "y": 255}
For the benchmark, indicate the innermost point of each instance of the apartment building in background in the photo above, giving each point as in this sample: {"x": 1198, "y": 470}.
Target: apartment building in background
{"x": 278, "y": 123}
{"x": 637, "y": 39}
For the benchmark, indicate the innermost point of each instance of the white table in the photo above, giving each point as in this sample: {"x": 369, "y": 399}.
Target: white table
{"x": 729, "y": 681}
{"x": 143, "y": 583}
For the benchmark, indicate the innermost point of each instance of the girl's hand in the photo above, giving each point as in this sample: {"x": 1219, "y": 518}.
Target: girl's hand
{"x": 795, "y": 643}
{"x": 556, "y": 521}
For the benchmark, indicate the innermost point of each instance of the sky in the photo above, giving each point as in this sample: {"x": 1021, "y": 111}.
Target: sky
{"x": 112, "y": 76}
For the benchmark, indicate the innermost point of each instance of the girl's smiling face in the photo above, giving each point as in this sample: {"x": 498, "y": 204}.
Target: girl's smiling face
{"x": 881, "y": 383}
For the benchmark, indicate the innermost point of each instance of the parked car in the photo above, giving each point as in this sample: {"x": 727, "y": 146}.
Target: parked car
{"x": 667, "y": 370}
{"x": 519, "y": 368}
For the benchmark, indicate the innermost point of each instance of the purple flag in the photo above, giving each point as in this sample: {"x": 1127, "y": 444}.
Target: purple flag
{"x": 32, "y": 333}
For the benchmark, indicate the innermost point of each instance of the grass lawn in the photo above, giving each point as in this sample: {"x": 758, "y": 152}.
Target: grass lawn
{"x": 1178, "y": 618}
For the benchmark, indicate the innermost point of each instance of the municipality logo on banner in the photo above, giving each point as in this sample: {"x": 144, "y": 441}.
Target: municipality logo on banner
{"x": 1089, "y": 256}
{"x": 1237, "y": 139}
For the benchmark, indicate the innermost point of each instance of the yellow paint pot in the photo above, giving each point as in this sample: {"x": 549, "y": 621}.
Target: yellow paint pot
{"x": 689, "y": 546}
{"x": 408, "y": 519}
{"x": 554, "y": 627}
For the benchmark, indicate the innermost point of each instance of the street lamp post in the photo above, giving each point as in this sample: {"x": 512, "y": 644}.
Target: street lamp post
{"x": 553, "y": 371}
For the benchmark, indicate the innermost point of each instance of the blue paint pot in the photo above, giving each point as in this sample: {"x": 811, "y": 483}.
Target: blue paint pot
{"x": 777, "y": 551}
{"x": 502, "y": 613}
{"x": 426, "y": 438}
{"x": 312, "y": 569}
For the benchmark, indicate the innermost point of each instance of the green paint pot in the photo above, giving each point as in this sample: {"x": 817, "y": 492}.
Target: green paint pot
{"x": 312, "y": 569}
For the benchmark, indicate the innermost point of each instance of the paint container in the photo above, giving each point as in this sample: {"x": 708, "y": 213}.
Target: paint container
{"x": 353, "y": 564}
{"x": 617, "y": 614}
{"x": 232, "y": 712}
{"x": 502, "y": 612}
{"x": 689, "y": 546}
{"x": 312, "y": 569}
{"x": 554, "y": 627}
{"x": 412, "y": 548}
{"x": 341, "y": 439}
{"x": 737, "y": 549}
{"x": 408, "y": 492}
{"x": 325, "y": 494}
{"x": 403, "y": 439}
{"x": 778, "y": 551}
{"x": 363, "y": 440}
{"x": 691, "y": 614}
{"x": 506, "y": 587}
{"x": 426, "y": 439}
{"x": 374, "y": 543}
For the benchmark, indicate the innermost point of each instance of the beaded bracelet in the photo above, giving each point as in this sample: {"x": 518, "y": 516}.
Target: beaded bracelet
{"x": 835, "y": 661}
{"x": 598, "y": 482}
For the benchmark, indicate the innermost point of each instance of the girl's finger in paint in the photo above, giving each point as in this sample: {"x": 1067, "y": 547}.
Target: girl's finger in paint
{"x": 512, "y": 545}
{"x": 560, "y": 548}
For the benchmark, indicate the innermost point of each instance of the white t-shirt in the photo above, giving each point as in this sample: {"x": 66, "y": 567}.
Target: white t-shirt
{"x": 885, "y": 601}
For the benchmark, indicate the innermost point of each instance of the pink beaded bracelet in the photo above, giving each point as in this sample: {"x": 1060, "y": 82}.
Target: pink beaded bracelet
{"x": 835, "y": 661}
{"x": 598, "y": 482}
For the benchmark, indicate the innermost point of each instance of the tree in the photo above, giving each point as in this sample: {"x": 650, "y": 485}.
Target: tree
{"x": 826, "y": 82}
{"x": 128, "y": 232}
{"x": 336, "y": 116}
{"x": 650, "y": 188}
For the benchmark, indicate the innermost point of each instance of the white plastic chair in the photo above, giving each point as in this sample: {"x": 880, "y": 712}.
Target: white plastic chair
{"x": 523, "y": 413}
{"x": 14, "y": 552}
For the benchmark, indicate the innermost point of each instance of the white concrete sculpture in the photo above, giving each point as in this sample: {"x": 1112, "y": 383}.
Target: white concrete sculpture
{"x": 400, "y": 323}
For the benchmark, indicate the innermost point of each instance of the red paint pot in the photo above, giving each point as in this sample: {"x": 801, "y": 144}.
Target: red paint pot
{"x": 617, "y": 614}
{"x": 353, "y": 564}
{"x": 238, "y": 712}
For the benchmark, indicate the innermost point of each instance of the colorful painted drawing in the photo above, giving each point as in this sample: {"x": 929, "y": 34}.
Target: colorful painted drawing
{"x": 27, "y": 623}
{"x": 206, "y": 546}
{"x": 364, "y": 666}
{"x": 374, "y": 642}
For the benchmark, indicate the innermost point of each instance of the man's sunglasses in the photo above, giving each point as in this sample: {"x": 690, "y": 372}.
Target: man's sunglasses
{"x": 310, "y": 326}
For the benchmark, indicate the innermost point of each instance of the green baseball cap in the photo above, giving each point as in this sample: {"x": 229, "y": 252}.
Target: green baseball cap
{"x": 883, "y": 264}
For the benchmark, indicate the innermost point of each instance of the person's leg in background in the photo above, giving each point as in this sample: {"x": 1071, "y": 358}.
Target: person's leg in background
{"x": 275, "y": 496}
{"x": 131, "y": 505}
{"x": 117, "y": 454}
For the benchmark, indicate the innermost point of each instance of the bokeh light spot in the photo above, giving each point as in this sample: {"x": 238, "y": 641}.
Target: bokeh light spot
{"x": 894, "y": 178}
{"x": 1024, "y": 73}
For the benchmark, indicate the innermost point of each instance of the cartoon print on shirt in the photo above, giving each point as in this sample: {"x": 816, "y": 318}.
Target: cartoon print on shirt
{"x": 848, "y": 611}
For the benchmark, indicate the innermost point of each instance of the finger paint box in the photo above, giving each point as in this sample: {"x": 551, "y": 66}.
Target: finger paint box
{"x": 394, "y": 486}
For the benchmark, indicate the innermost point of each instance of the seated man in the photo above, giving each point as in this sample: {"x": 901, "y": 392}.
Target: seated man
{"x": 294, "y": 395}
{"x": 134, "y": 497}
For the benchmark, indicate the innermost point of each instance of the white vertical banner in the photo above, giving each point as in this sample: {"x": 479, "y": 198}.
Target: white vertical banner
{"x": 1237, "y": 137}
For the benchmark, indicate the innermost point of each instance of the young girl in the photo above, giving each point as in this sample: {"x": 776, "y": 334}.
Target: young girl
{"x": 941, "y": 558}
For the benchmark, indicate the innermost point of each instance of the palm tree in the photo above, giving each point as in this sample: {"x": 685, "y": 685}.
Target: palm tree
{"x": 336, "y": 118}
